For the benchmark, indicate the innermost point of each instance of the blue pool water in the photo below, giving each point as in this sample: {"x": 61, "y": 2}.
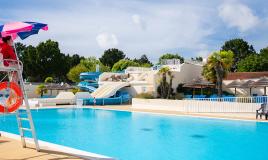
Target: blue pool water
{"x": 141, "y": 136}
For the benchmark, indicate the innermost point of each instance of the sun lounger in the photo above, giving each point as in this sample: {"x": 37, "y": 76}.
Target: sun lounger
{"x": 61, "y": 98}
{"x": 262, "y": 111}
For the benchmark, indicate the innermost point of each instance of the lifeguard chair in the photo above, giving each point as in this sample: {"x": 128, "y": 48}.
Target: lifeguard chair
{"x": 16, "y": 94}
{"x": 17, "y": 88}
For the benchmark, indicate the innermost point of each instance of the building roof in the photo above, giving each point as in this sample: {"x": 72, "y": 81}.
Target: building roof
{"x": 245, "y": 75}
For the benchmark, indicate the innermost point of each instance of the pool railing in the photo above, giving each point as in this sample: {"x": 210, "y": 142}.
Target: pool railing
{"x": 257, "y": 99}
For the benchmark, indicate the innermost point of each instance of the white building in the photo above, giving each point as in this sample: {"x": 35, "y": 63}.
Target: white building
{"x": 146, "y": 80}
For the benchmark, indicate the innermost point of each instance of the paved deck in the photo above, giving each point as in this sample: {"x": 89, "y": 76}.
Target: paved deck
{"x": 12, "y": 150}
{"x": 237, "y": 116}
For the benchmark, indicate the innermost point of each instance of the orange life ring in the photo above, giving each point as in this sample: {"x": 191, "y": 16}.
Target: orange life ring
{"x": 17, "y": 93}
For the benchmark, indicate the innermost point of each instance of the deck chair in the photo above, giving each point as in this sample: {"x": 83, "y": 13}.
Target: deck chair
{"x": 263, "y": 111}
{"x": 61, "y": 98}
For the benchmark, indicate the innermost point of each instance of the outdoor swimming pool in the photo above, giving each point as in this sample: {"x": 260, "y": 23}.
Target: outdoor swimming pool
{"x": 142, "y": 136}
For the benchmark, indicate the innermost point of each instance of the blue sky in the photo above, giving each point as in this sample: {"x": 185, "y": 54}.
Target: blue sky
{"x": 153, "y": 27}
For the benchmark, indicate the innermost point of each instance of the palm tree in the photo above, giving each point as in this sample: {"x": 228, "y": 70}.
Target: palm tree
{"x": 165, "y": 87}
{"x": 218, "y": 65}
{"x": 171, "y": 76}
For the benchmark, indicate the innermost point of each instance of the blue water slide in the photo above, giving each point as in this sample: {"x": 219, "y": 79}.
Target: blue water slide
{"x": 87, "y": 86}
{"x": 120, "y": 98}
{"x": 90, "y": 76}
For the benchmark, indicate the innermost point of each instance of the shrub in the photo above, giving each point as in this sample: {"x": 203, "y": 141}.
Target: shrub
{"x": 179, "y": 96}
{"x": 41, "y": 89}
{"x": 49, "y": 80}
{"x": 75, "y": 90}
{"x": 147, "y": 95}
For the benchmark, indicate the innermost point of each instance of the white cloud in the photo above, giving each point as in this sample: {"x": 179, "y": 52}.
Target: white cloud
{"x": 136, "y": 27}
{"x": 139, "y": 21}
{"x": 238, "y": 15}
{"x": 107, "y": 40}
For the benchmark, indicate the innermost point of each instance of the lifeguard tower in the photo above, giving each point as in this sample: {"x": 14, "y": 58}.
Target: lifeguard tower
{"x": 12, "y": 85}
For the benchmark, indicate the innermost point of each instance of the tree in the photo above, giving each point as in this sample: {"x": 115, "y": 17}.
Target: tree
{"x": 254, "y": 62}
{"x": 74, "y": 72}
{"x": 209, "y": 73}
{"x": 111, "y": 56}
{"x": 197, "y": 59}
{"x": 123, "y": 64}
{"x": 143, "y": 61}
{"x": 218, "y": 64}
{"x": 240, "y": 48}
{"x": 165, "y": 89}
{"x": 171, "y": 56}
{"x": 41, "y": 89}
{"x": 91, "y": 63}
{"x": 20, "y": 48}
{"x": 86, "y": 65}
{"x": 45, "y": 60}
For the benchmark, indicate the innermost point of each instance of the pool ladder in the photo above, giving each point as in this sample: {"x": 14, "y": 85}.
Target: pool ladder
{"x": 25, "y": 116}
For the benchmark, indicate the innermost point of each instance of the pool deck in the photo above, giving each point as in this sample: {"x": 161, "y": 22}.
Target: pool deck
{"x": 11, "y": 149}
{"x": 229, "y": 115}
{"x": 233, "y": 116}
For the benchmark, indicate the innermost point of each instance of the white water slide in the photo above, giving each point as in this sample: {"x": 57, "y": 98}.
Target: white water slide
{"x": 108, "y": 89}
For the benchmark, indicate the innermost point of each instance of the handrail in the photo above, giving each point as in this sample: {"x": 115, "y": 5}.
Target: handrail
{"x": 11, "y": 60}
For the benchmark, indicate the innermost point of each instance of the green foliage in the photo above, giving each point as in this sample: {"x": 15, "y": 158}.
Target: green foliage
{"x": 49, "y": 80}
{"x": 123, "y": 64}
{"x": 146, "y": 65}
{"x": 218, "y": 64}
{"x": 45, "y": 60}
{"x": 145, "y": 95}
{"x": 240, "y": 48}
{"x": 74, "y": 72}
{"x": 75, "y": 90}
{"x": 171, "y": 56}
{"x": 40, "y": 90}
{"x": 111, "y": 56}
{"x": 197, "y": 59}
{"x": 143, "y": 61}
{"x": 86, "y": 65}
{"x": 91, "y": 62}
{"x": 180, "y": 88}
{"x": 254, "y": 62}
{"x": 179, "y": 96}
{"x": 209, "y": 73}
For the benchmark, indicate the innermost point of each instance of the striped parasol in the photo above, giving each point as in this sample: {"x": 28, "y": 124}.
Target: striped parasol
{"x": 234, "y": 84}
{"x": 21, "y": 29}
{"x": 247, "y": 84}
{"x": 262, "y": 82}
{"x": 11, "y": 29}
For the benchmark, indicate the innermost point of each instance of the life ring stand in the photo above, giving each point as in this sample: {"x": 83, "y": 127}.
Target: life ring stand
{"x": 17, "y": 93}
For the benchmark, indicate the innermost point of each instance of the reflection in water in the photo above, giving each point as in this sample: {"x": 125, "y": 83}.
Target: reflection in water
{"x": 146, "y": 129}
{"x": 199, "y": 136}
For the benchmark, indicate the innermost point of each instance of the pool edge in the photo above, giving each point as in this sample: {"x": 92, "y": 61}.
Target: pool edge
{"x": 59, "y": 148}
